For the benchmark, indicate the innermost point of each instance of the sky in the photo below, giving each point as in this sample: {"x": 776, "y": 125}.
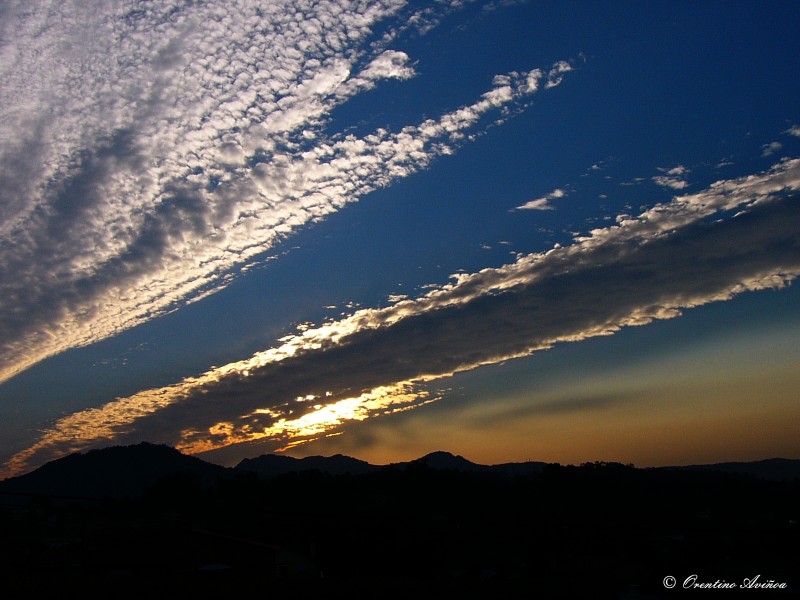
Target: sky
{"x": 555, "y": 231}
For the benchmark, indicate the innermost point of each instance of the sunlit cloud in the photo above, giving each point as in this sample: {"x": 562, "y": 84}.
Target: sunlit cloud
{"x": 674, "y": 178}
{"x": 770, "y": 149}
{"x": 543, "y": 203}
{"x": 288, "y": 431}
{"x": 735, "y": 236}
{"x": 148, "y": 155}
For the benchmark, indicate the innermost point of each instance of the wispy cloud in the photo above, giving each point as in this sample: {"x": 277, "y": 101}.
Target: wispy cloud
{"x": 794, "y": 130}
{"x": 149, "y": 153}
{"x": 543, "y": 203}
{"x": 770, "y": 149}
{"x": 736, "y": 235}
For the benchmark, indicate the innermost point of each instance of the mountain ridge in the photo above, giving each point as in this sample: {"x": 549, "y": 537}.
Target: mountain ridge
{"x": 141, "y": 518}
{"x": 128, "y": 471}
{"x": 274, "y": 465}
{"x": 115, "y": 471}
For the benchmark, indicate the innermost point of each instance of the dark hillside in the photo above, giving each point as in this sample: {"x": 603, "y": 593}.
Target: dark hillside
{"x": 439, "y": 526}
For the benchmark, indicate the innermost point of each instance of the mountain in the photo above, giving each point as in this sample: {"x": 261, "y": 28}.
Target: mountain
{"x": 444, "y": 461}
{"x": 273, "y": 465}
{"x": 519, "y": 469}
{"x": 134, "y": 471}
{"x": 190, "y": 528}
{"x": 115, "y": 472}
{"x": 773, "y": 469}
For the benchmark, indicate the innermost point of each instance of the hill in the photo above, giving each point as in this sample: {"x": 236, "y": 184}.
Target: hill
{"x": 773, "y": 469}
{"x": 130, "y": 471}
{"x": 165, "y": 525}
{"x": 274, "y": 465}
{"x": 115, "y": 472}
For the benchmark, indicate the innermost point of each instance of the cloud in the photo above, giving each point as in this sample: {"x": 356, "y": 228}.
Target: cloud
{"x": 544, "y": 202}
{"x": 554, "y": 77}
{"x": 633, "y": 182}
{"x": 770, "y": 149}
{"x": 149, "y": 155}
{"x": 391, "y": 64}
{"x": 674, "y": 177}
{"x": 575, "y": 403}
{"x": 794, "y": 130}
{"x": 735, "y": 236}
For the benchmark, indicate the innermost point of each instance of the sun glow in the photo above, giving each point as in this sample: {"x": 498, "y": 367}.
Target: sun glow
{"x": 322, "y": 419}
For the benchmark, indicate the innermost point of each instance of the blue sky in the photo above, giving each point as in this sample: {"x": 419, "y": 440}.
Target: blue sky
{"x": 510, "y": 230}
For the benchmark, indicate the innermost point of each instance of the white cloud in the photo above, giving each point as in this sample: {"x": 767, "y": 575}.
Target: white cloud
{"x": 770, "y": 149}
{"x": 794, "y": 130}
{"x": 646, "y": 267}
{"x": 538, "y": 204}
{"x": 632, "y": 182}
{"x": 676, "y": 171}
{"x": 674, "y": 178}
{"x": 544, "y": 202}
{"x": 149, "y": 153}
{"x": 670, "y": 182}
{"x": 555, "y": 75}
{"x": 390, "y": 64}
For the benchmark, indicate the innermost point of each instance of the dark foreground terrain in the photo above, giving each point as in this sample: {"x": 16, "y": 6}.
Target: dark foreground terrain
{"x": 147, "y": 522}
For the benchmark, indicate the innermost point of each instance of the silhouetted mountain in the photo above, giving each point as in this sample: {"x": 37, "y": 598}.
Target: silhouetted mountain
{"x": 444, "y": 461}
{"x": 116, "y": 472}
{"x": 519, "y": 469}
{"x": 439, "y": 525}
{"x": 130, "y": 471}
{"x": 273, "y": 465}
{"x": 773, "y": 469}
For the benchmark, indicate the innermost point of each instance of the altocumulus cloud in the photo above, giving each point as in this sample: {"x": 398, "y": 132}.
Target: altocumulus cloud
{"x": 152, "y": 149}
{"x": 737, "y": 235}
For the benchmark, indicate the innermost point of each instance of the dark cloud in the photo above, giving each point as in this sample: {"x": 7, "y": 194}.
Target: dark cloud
{"x": 560, "y": 406}
{"x": 37, "y": 285}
